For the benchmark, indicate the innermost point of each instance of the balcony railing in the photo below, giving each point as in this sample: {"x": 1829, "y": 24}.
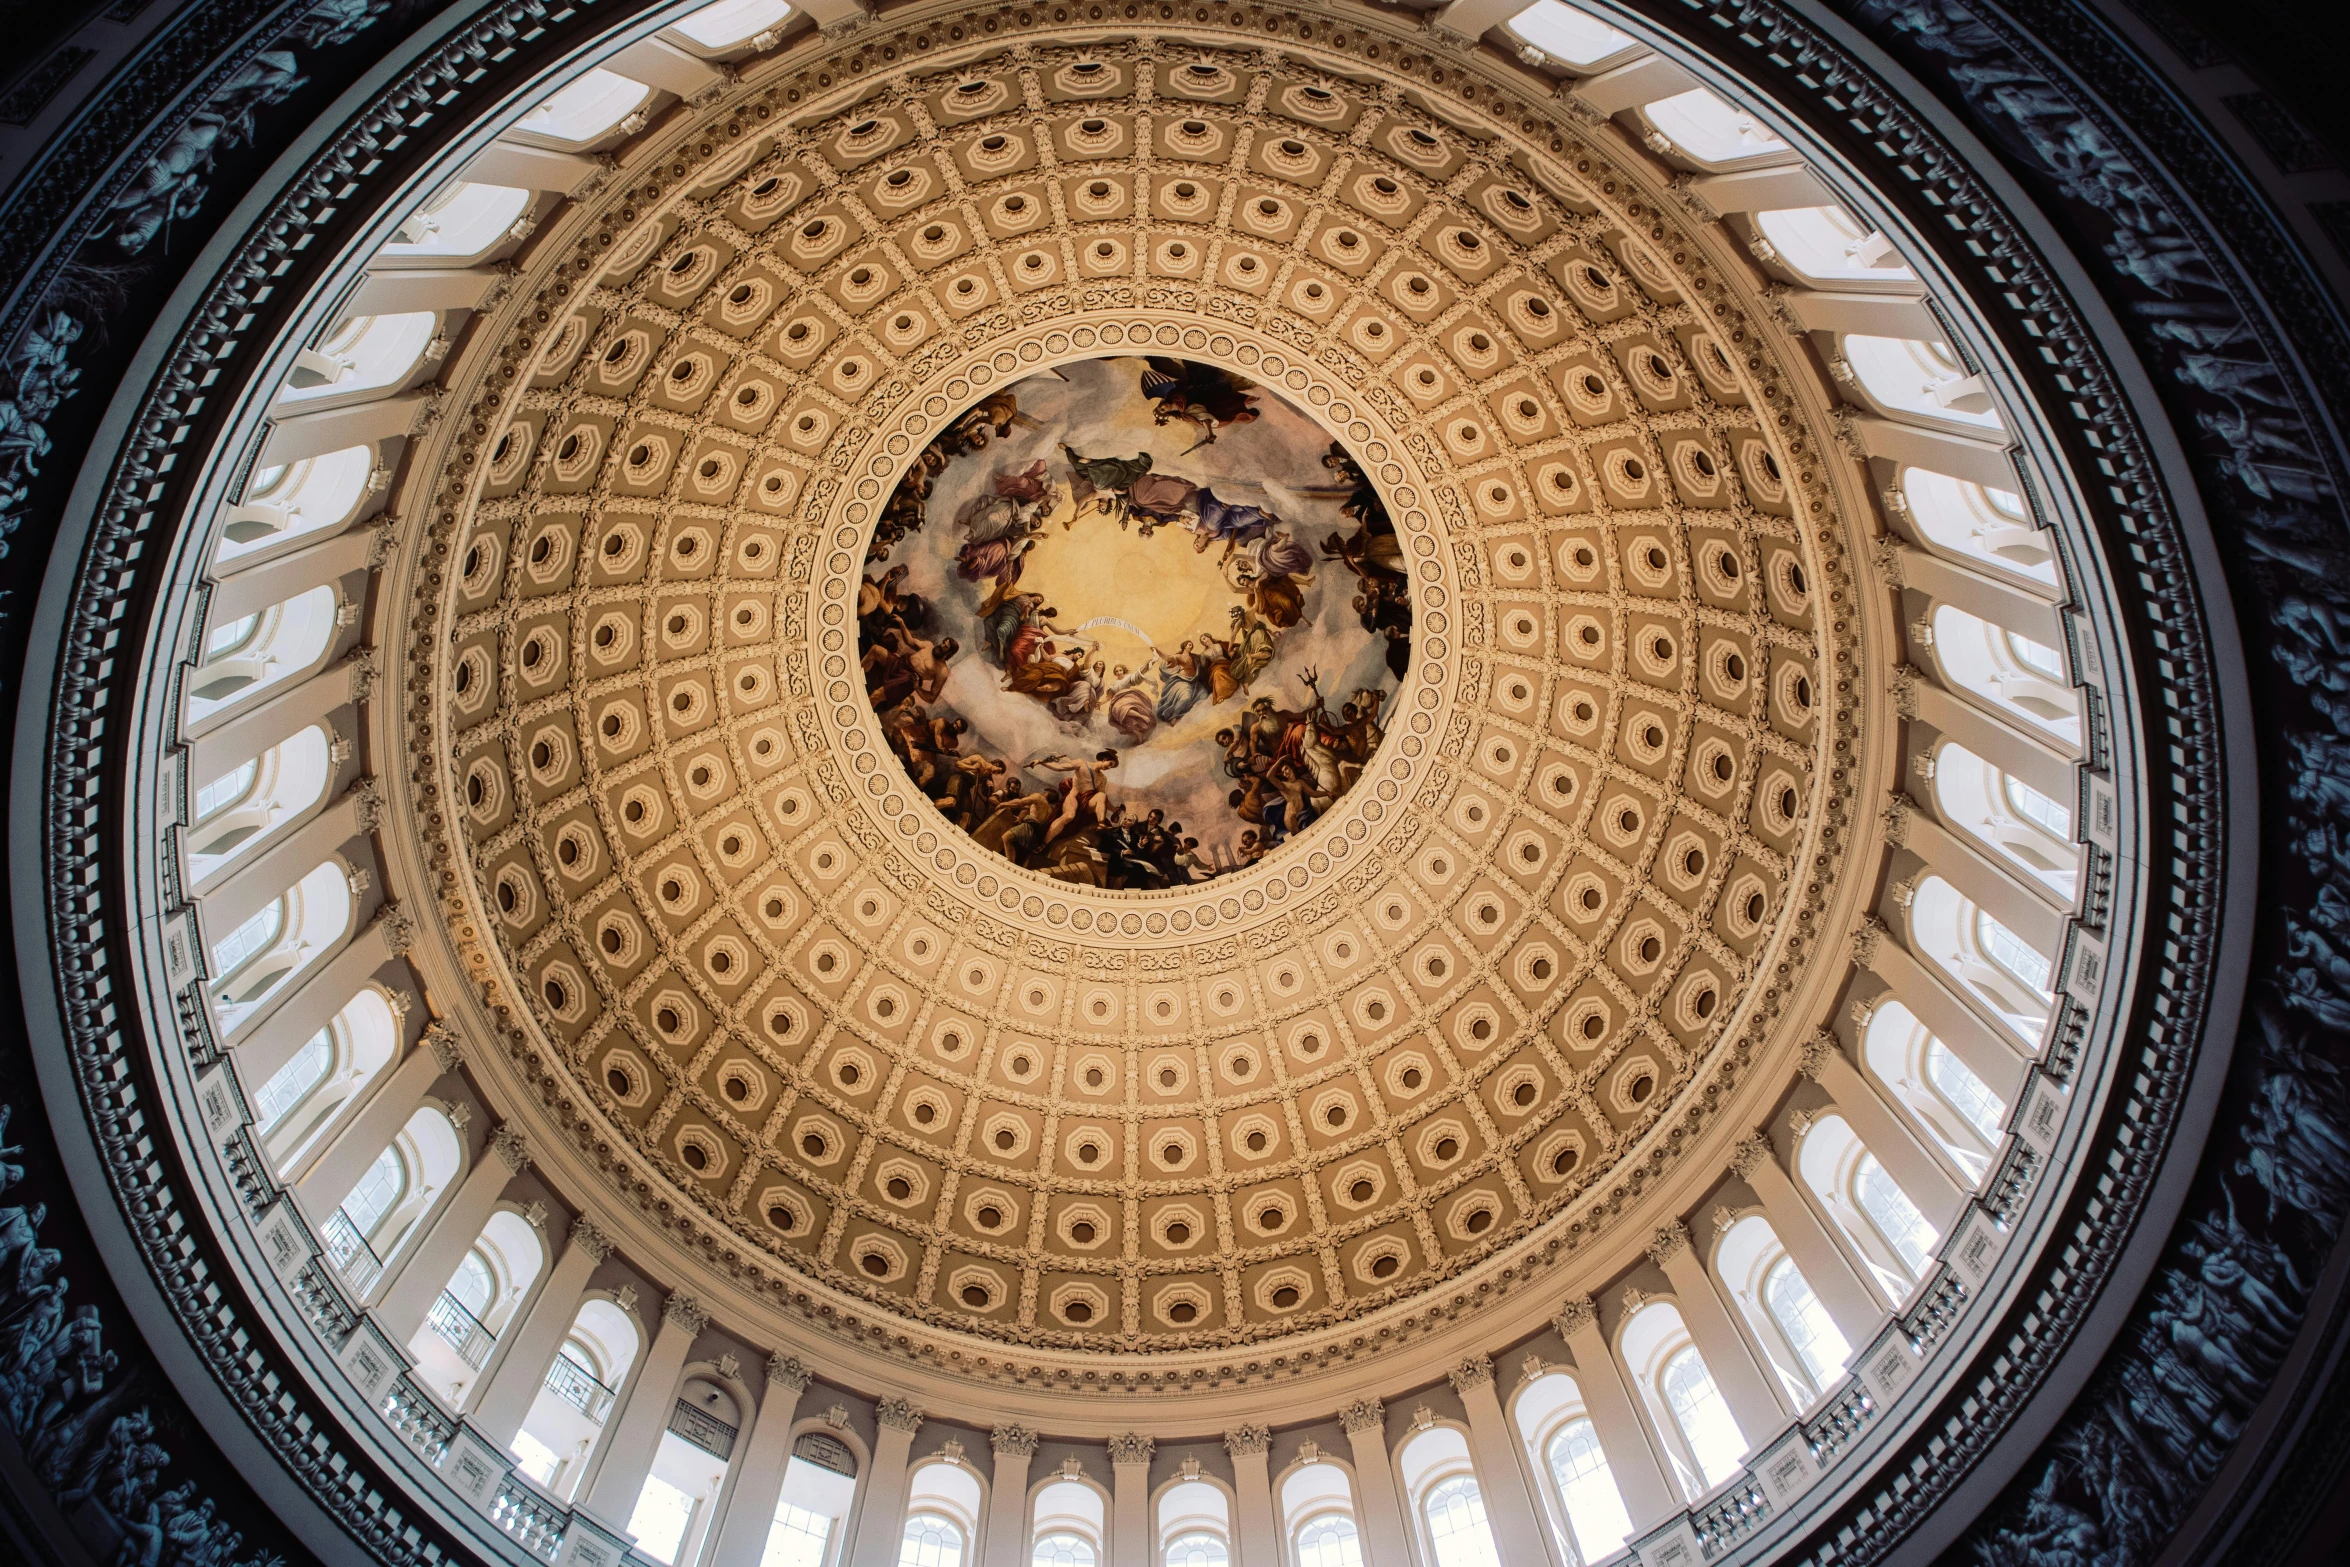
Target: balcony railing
{"x": 350, "y": 1254}
{"x": 705, "y": 1430}
{"x": 460, "y": 1329}
{"x": 569, "y": 1381}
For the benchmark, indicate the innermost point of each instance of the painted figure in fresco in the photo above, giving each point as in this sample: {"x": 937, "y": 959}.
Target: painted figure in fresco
{"x": 1103, "y": 481}
{"x": 1200, "y": 395}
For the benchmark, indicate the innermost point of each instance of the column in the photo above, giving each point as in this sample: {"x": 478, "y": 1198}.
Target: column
{"x": 758, "y": 1487}
{"x": 1649, "y": 1494}
{"x": 1386, "y": 1536}
{"x": 1752, "y": 1394}
{"x": 629, "y": 1448}
{"x": 507, "y": 1392}
{"x": 370, "y": 1132}
{"x": 410, "y": 1289}
{"x": 1510, "y": 1507}
{"x": 1996, "y": 1060}
{"x": 1913, "y": 1169}
{"x": 1007, "y": 1498}
{"x": 1130, "y": 1500}
{"x": 881, "y": 1511}
{"x": 1255, "y": 1536}
{"x": 1850, "y": 1303}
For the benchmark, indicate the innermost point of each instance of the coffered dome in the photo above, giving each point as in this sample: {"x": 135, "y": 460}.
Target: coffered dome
{"x": 1497, "y": 987}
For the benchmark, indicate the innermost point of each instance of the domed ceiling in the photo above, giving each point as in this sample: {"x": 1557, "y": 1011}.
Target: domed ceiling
{"x": 1476, "y": 508}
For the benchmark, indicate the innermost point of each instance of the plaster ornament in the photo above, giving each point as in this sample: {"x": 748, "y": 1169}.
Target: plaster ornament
{"x": 1423, "y": 1418}
{"x": 625, "y": 1298}
{"x": 898, "y": 1414}
{"x": 728, "y": 1366}
{"x": 951, "y": 1450}
{"x": 1475, "y": 1372}
{"x": 837, "y": 1417}
{"x": 588, "y": 1237}
{"x": 685, "y": 1312}
{"x": 1748, "y": 1155}
{"x": 441, "y": 1039}
{"x": 1013, "y": 1442}
{"x": 1575, "y": 1316}
{"x": 785, "y": 1371}
{"x": 1309, "y": 1451}
{"x": 1189, "y": 1468}
{"x": 1669, "y": 1241}
{"x": 1248, "y": 1441}
{"x": 1131, "y": 1448}
{"x": 1362, "y": 1415}
{"x": 512, "y": 1148}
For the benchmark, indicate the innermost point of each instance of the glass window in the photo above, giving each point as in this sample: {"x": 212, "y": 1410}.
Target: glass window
{"x": 930, "y": 1541}
{"x": 1806, "y": 1322}
{"x": 228, "y": 638}
{"x": 1968, "y": 1094}
{"x": 377, "y": 1193}
{"x": 290, "y": 1084}
{"x": 660, "y": 1520}
{"x": 1197, "y": 1550}
{"x": 537, "y": 1460}
{"x": 473, "y": 1284}
{"x": 1455, "y": 1511}
{"x": 1061, "y": 1550}
{"x": 2039, "y": 659}
{"x": 225, "y": 791}
{"x": 247, "y": 941}
{"x": 1704, "y": 1419}
{"x": 2009, "y": 950}
{"x": 1595, "y": 1509}
{"x": 1329, "y": 1541}
{"x": 1895, "y": 1216}
{"x": 2038, "y": 809}
{"x": 797, "y": 1539}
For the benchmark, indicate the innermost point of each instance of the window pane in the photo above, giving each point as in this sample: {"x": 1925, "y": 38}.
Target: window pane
{"x": 292, "y": 1082}
{"x": 659, "y": 1522}
{"x": 1455, "y": 1511}
{"x": 930, "y": 1541}
{"x": 225, "y": 791}
{"x": 1895, "y": 1216}
{"x": 2009, "y": 951}
{"x": 1595, "y": 1509}
{"x": 1197, "y": 1550}
{"x": 2033, "y": 656}
{"x": 1062, "y": 1550}
{"x": 797, "y": 1539}
{"x": 1968, "y": 1094}
{"x": 378, "y": 1190}
{"x": 1806, "y": 1323}
{"x": 1330, "y": 1541}
{"x": 472, "y": 1285}
{"x": 254, "y": 936}
{"x": 228, "y": 638}
{"x": 1704, "y": 1419}
{"x": 2033, "y": 806}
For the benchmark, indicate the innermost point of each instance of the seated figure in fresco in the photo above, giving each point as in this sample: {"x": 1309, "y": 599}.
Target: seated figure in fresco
{"x": 1199, "y": 395}
{"x": 1104, "y": 481}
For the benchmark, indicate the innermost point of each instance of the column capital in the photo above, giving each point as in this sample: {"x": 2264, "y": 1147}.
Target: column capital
{"x": 1575, "y": 1315}
{"x": 1669, "y": 1241}
{"x": 1012, "y": 1442}
{"x": 1362, "y": 1415}
{"x": 1818, "y": 1052}
{"x": 1752, "y": 1150}
{"x": 1866, "y": 933}
{"x": 1131, "y": 1448}
{"x": 1474, "y": 1372}
{"x": 686, "y": 1312}
{"x": 786, "y": 1371}
{"x": 448, "y": 1052}
{"x": 1248, "y": 1441}
{"x": 899, "y": 1414}
{"x": 590, "y": 1238}
{"x": 512, "y": 1148}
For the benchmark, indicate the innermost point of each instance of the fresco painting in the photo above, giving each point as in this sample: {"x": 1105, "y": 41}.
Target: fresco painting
{"x": 1134, "y": 622}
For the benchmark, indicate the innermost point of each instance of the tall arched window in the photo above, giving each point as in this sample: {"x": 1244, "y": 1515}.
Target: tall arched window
{"x": 1964, "y": 1092}
{"x": 1455, "y": 1511}
{"x": 1328, "y": 1541}
{"x": 1987, "y": 959}
{"x": 1194, "y": 1525}
{"x": 247, "y": 655}
{"x": 2016, "y": 675}
{"x": 1587, "y": 1489}
{"x": 1069, "y": 1516}
{"x": 1944, "y": 1098}
{"x": 1880, "y": 1220}
{"x": 930, "y": 1541}
{"x": 2031, "y": 831}
{"x": 1896, "y": 1217}
{"x": 377, "y": 1192}
{"x": 302, "y": 1100}
{"x": 290, "y": 1084}
{"x": 1198, "y": 1549}
{"x": 1797, "y": 1336}
{"x": 575, "y": 1398}
{"x": 1700, "y": 1434}
{"x": 237, "y": 810}
{"x": 1984, "y": 524}
{"x": 1703, "y": 1417}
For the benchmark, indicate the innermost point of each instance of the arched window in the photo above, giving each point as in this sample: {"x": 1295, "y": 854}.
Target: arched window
{"x": 377, "y": 1193}
{"x": 473, "y": 1284}
{"x": 1811, "y": 1332}
{"x": 1062, "y": 1549}
{"x": 1827, "y": 248}
{"x": 360, "y": 355}
{"x": 1455, "y": 1511}
{"x": 248, "y": 655}
{"x": 248, "y": 941}
{"x": 798, "y": 1538}
{"x": 583, "y": 111}
{"x": 1710, "y": 128}
{"x": 1868, "y": 1205}
{"x": 930, "y": 1541}
{"x": 1943, "y": 1097}
{"x": 1705, "y": 1420}
{"x": 293, "y": 499}
{"x": 2019, "y": 677}
{"x": 1913, "y": 375}
{"x": 1966, "y": 1093}
{"x": 1979, "y": 523}
{"x": 271, "y": 945}
{"x": 1194, "y": 1525}
{"x": 1069, "y": 1511}
{"x": 462, "y": 221}
{"x": 225, "y": 791}
{"x": 1568, "y": 35}
{"x": 2024, "y": 827}
{"x": 1987, "y": 959}
{"x": 574, "y": 1401}
{"x": 238, "y": 808}
{"x": 1328, "y": 1541}
{"x": 730, "y": 22}
{"x": 1587, "y": 1489}
{"x": 302, "y": 1100}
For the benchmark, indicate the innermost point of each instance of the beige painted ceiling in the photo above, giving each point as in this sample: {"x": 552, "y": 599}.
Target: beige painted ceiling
{"x": 1463, "y": 1018}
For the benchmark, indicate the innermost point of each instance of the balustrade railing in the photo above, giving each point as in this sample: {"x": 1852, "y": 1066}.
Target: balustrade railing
{"x": 352, "y": 1257}
{"x": 461, "y": 1330}
{"x": 536, "y": 1523}
{"x": 571, "y": 1382}
{"x": 412, "y": 1413}
{"x": 705, "y": 1430}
